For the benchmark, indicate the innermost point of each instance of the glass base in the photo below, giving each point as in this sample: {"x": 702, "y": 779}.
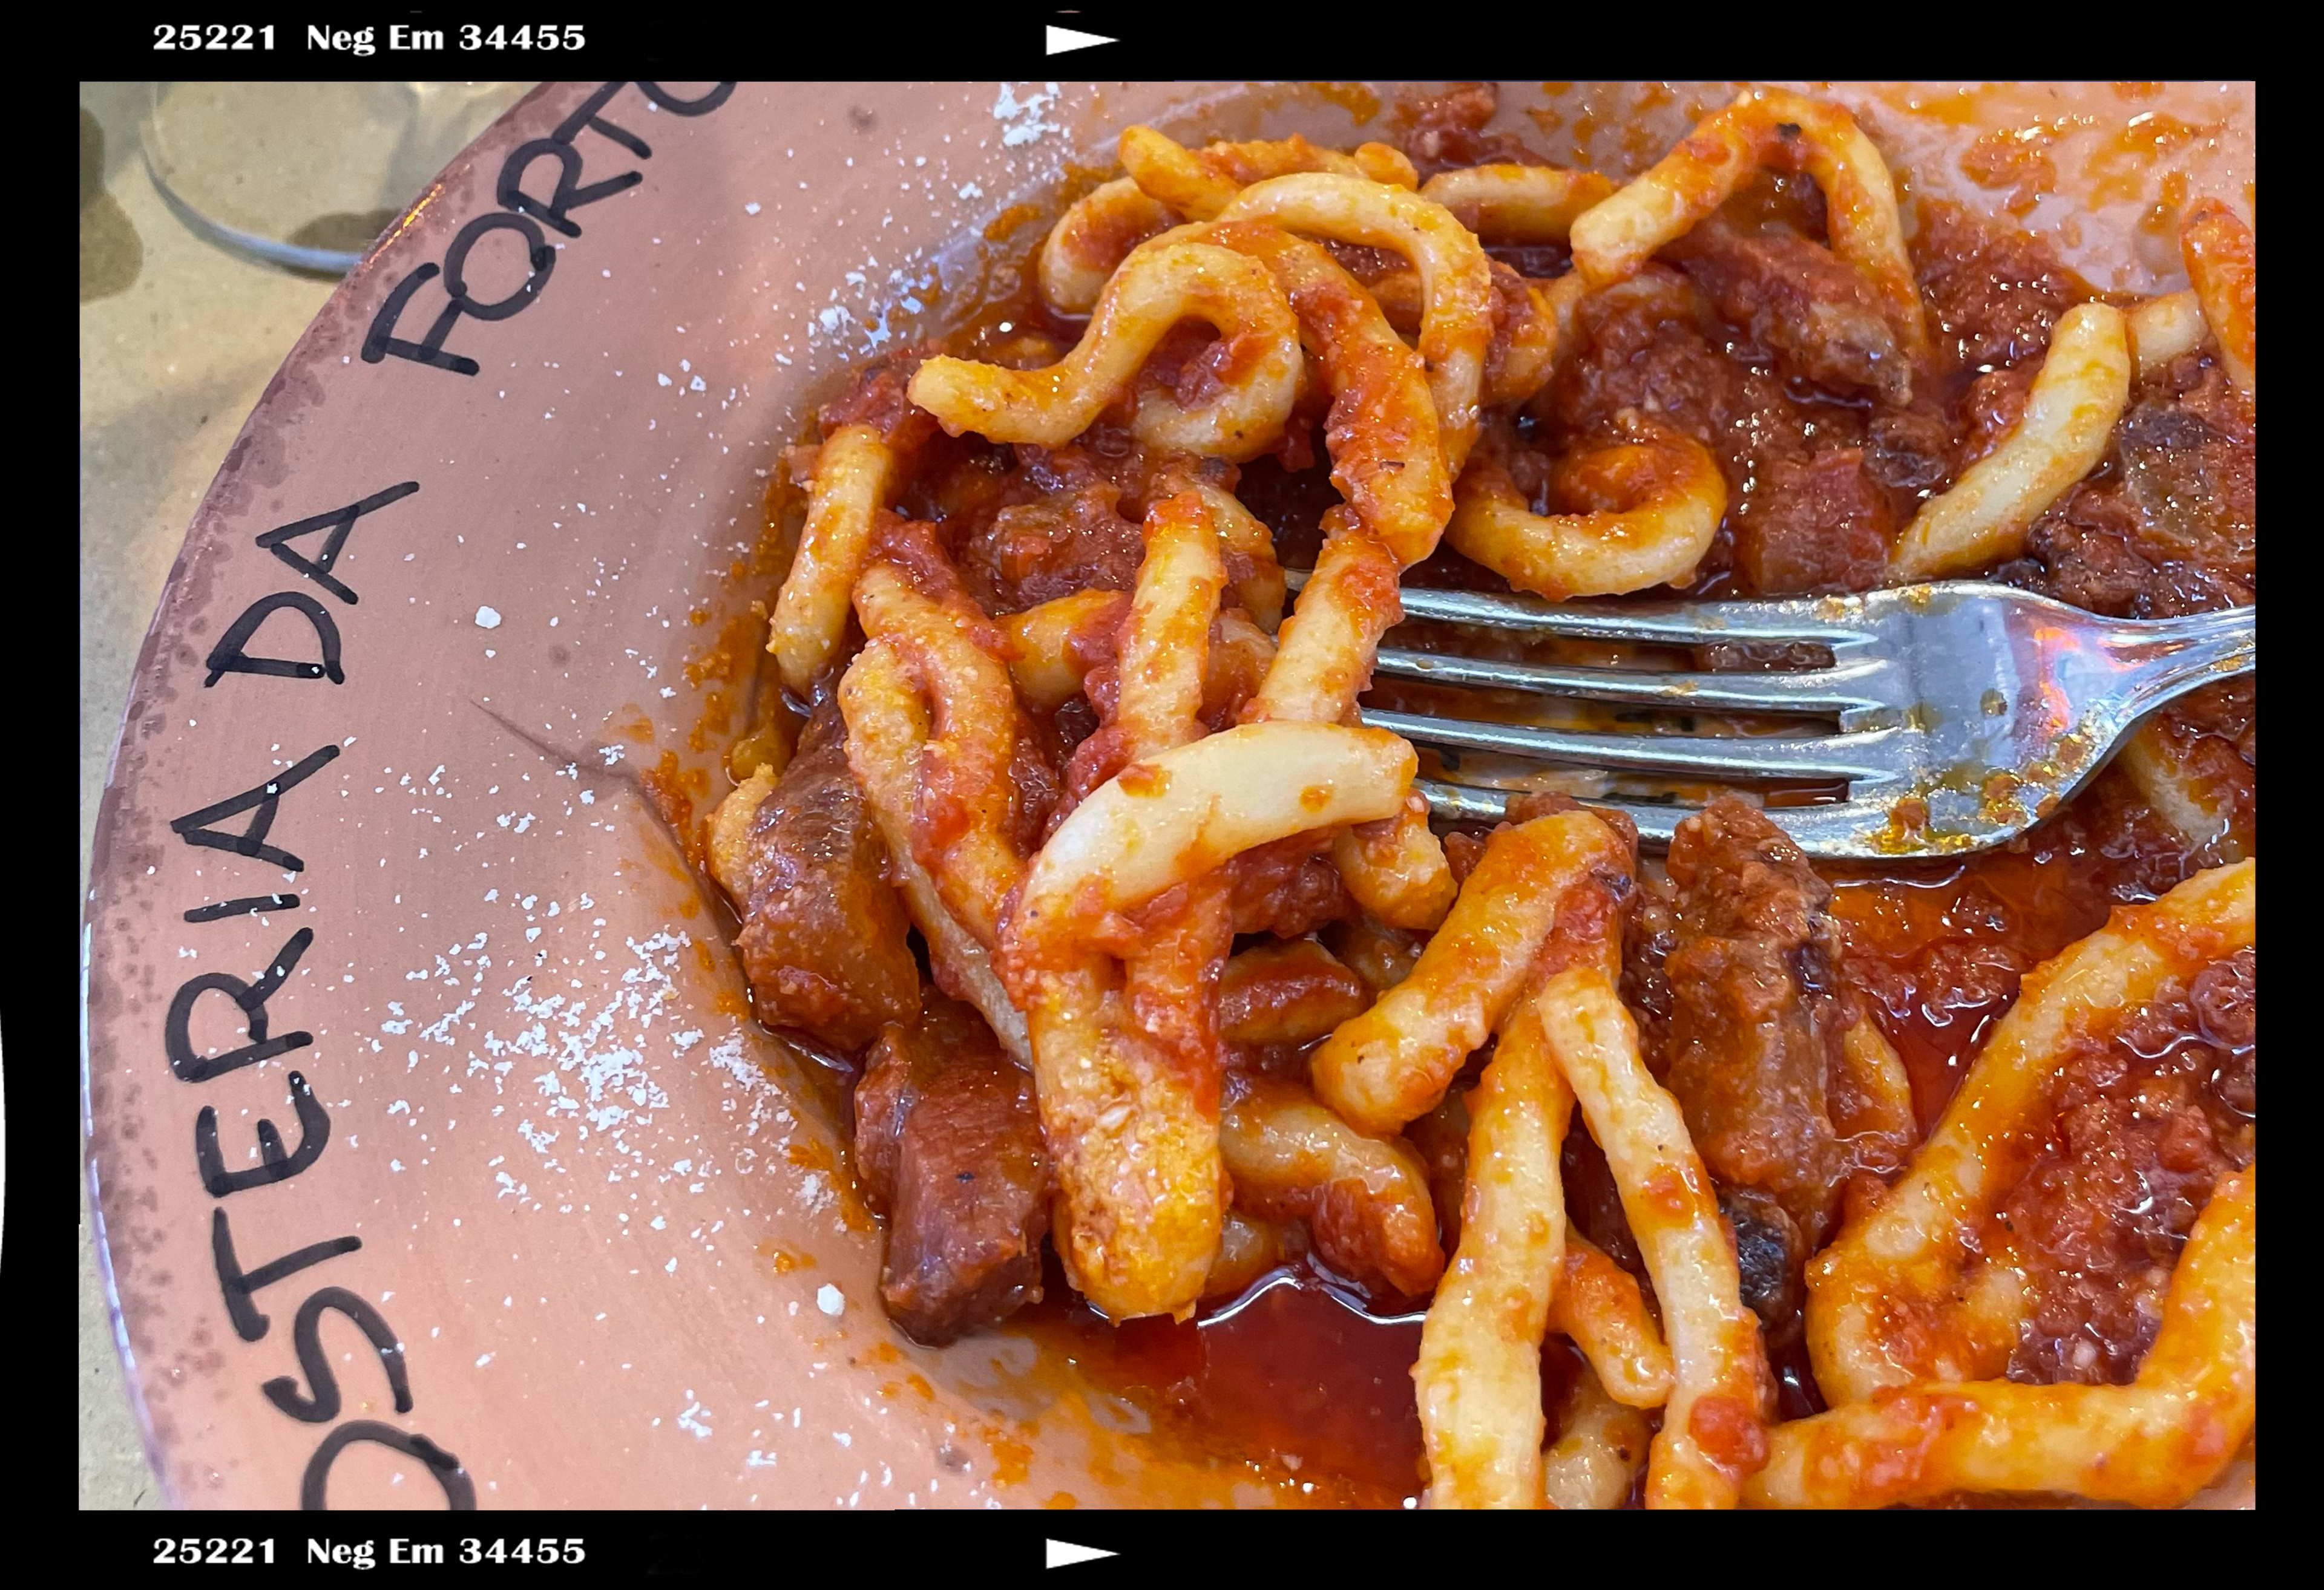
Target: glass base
{"x": 306, "y": 175}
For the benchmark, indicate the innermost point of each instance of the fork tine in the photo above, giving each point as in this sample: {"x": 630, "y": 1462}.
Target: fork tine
{"x": 1825, "y": 620}
{"x": 1851, "y": 756}
{"x": 1968, "y": 711}
{"x": 1466, "y": 803}
{"x": 1821, "y": 620}
{"x": 1839, "y": 832}
{"x": 1845, "y": 688}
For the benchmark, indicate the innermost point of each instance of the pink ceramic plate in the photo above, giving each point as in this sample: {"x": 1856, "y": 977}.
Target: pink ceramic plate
{"x": 374, "y": 865}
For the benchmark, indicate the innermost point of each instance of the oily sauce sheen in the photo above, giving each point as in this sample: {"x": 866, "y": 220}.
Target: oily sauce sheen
{"x": 1296, "y": 1386}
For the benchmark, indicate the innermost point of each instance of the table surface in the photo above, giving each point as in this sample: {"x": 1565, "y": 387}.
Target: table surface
{"x": 178, "y": 339}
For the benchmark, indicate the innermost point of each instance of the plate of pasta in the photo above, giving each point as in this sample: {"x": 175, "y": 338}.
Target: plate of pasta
{"x": 761, "y": 750}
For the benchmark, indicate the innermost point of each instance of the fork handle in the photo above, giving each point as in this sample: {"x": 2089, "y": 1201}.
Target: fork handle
{"x": 2160, "y": 659}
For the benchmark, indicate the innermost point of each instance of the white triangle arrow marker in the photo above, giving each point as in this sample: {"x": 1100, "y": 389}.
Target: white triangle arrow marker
{"x": 1064, "y": 1554}
{"x": 1061, "y": 40}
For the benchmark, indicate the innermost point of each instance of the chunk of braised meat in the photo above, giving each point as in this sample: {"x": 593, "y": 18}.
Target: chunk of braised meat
{"x": 2148, "y": 1118}
{"x": 948, "y": 1147}
{"x": 1770, "y": 1253}
{"x": 1463, "y": 848}
{"x": 1994, "y": 293}
{"x": 1812, "y": 506}
{"x": 2189, "y": 456}
{"x": 1034, "y": 552}
{"x": 1733, "y": 964}
{"x": 960, "y": 483}
{"x": 915, "y": 549}
{"x": 1278, "y": 1000}
{"x": 1819, "y": 524}
{"x": 1550, "y": 802}
{"x": 1287, "y": 993}
{"x": 1908, "y": 450}
{"x": 1645, "y": 353}
{"x": 1444, "y": 132}
{"x": 1817, "y": 315}
{"x": 1286, "y": 888}
{"x": 1103, "y": 453}
{"x": 1062, "y": 519}
{"x": 1036, "y": 789}
{"x": 1987, "y": 411}
{"x": 2169, "y": 525}
{"x": 823, "y": 940}
{"x": 1650, "y": 350}
{"x": 2084, "y": 551}
{"x": 878, "y": 398}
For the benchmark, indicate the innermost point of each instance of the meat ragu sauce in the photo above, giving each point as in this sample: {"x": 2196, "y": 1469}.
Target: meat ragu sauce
{"x": 1746, "y": 966}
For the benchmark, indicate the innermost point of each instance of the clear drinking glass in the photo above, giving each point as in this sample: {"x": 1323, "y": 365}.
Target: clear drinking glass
{"x": 306, "y": 175}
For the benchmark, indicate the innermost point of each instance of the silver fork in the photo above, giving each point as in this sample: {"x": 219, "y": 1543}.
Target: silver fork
{"x": 1968, "y": 712}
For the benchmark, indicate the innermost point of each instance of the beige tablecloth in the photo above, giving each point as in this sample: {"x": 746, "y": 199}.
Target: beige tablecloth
{"x": 177, "y": 342}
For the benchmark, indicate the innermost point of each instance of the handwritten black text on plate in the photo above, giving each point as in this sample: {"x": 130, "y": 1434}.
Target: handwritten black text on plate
{"x": 524, "y": 212}
{"x": 319, "y": 1401}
